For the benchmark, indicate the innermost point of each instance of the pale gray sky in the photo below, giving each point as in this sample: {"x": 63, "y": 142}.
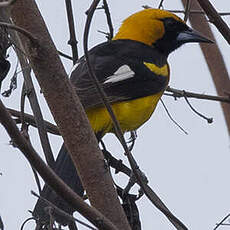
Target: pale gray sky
{"x": 189, "y": 172}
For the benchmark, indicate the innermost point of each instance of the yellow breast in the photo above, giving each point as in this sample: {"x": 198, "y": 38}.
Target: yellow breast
{"x": 130, "y": 114}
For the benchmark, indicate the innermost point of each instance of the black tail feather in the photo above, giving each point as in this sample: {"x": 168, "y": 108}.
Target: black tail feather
{"x": 65, "y": 169}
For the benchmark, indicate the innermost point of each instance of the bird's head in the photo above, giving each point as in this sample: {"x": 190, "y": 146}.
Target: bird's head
{"x": 158, "y": 28}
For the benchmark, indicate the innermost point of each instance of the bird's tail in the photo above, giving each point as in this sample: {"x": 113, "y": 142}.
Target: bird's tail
{"x": 65, "y": 169}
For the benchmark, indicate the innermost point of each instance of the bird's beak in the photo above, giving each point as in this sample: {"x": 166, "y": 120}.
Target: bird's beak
{"x": 191, "y": 35}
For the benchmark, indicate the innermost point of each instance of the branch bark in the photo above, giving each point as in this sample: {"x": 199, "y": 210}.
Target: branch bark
{"x": 72, "y": 41}
{"x": 68, "y": 114}
{"x": 177, "y": 93}
{"x": 215, "y": 18}
{"x": 48, "y": 174}
{"x": 213, "y": 58}
{"x": 26, "y": 70}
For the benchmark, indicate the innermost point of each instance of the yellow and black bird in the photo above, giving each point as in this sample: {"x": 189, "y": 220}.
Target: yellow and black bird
{"x": 133, "y": 71}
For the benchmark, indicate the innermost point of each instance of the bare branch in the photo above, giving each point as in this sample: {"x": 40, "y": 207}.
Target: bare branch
{"x": 26, "y": 33}
{"x": 215, "y": 18}
{"x": 216, "y": 63}
{"x": 93, "y": 215}
{"x": 101, "y": 92}
{"x": 109, "y": 20}
{"x": 29, "y": 91}
{"x": 148, "y": 191}
{"x": 221, "y": 222}
{"x": 190, "y": 12}
{"x": 1, "y": 224}
{"x": 209, "y": 120}
{"x": 177, "y": 93}
{"x": 26, "y": 221}
{"x": 198, "y": 12}
{"x": 65, "y": 55}
{"x": 171, "y": 118}
{"x": 187, "y": 10}
{"x": 61, "y": 212}
{"x": 72, "y": 41}
{"x": 22, "y": 106}
{"x": 24, "y": 129}
{"x": 161, "y": 4}
{"x": 69, "y": 114}
{"x": 31, "y": 120}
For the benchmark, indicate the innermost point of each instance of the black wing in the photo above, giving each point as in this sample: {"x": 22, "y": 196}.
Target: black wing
{"x": 119, "y": 67}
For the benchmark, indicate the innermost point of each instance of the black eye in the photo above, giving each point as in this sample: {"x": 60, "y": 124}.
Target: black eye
{"x": 173, "y": 25}
{"x": 170, "y": 24}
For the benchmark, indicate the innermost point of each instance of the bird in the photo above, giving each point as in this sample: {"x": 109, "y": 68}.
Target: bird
{"x": 133, "y": 71}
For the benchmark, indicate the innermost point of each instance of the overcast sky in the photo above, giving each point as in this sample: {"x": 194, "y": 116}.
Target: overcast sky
{"x": 189, "y": 172}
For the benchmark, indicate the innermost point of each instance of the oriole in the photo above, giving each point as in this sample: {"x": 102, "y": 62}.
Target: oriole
{"x": 133, "y": 71}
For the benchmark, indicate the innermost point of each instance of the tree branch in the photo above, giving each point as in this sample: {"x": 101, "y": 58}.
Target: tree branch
{"x": 1, "y": 224}
{"x": 65, "y": 55}
{"x": 190, "y": 12}
{"x": 187, "y": 10}
{"x": 51, "y": 128}
{"x": 213, "y": 57}
{"x": 109, "y": 20}
{"x": 21, "y": 30}
{"x": 197, "y": 12}
{"x": 148, "y": 191}
{"x": 69, "y": 114}
{"x": 72, "y": 41}
{"x": 177, "y": 93}
{"x": 221, "y": 222}
{"x": 61, "y": 212}
{"x": 48, "y": 174}
{"x": 215, "y": 18}
{"x": 30, "y": 91}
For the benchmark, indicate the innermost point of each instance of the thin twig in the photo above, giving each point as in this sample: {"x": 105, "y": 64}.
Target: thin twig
{"x": 65, "y": 55}
{"x": 190, "y": 12}
{"x": 31, "y": 94}
{"x": 72, "y": 41}
{"x": 26, "y": 221}
{"x": 38, "y": 183}
{"x": 60, "y": 212}
{"x": 187, "y": 10}
{"x": 209, "y": 120}
{"x": 120, "y": 167}
{"x": 148, "y": 191}
{"x": 51, "y": 128}
{"x": 1, "y": 224}
{"x": 26, "y": 33}
{"x": 197, "y": 12}
{"x": 13, "y": 82}
{"x": 22, "y": 106}
{"x": 215, "y": 18}
{"x": 171, "y": 118}
{"x": 217, "y": 66}
{"x": 221, "y": 222}
{"x": 92, "y": 214}
{"x": 109, "y": 20}
{"x": 24, "y": 130}
{"x": 177, "y": 93}
{"x": 161, "y": 4}
{"x": 101, "y": 92}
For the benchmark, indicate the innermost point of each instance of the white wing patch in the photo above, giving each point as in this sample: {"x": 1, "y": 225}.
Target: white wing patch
{"x": 123, "y": 73}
